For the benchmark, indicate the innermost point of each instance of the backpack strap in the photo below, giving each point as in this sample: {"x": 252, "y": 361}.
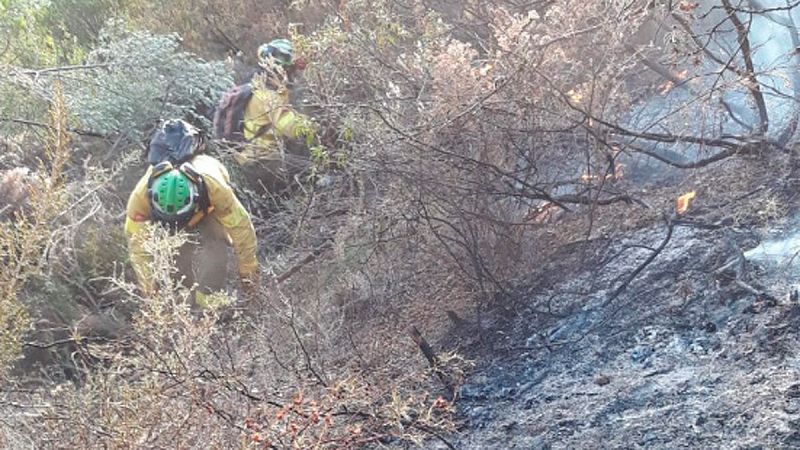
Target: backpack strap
{"x": 158, "y": 170}
{"x": 203, "y": 200}
{"x": 261, "y": 131}
{"x": 202, "y": 189}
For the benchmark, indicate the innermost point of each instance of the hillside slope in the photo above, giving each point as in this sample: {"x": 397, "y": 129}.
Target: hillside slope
{"x": 686, "y": 356}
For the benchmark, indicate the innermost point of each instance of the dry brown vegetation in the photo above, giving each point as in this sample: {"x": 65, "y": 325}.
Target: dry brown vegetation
{"x": 472, "y": 140}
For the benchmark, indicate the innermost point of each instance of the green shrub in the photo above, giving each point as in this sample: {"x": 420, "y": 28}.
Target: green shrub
{"x": 140, "y": 78}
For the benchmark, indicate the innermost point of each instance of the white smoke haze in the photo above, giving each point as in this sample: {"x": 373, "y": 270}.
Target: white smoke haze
{"x": 715, "y": 101}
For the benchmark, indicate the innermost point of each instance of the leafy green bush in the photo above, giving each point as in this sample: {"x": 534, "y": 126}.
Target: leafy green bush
{"x": 138, "y": 78}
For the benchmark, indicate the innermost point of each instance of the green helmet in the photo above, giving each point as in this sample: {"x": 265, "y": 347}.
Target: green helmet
{"x": 278, "y": 51}
{"x": 173, "y": 195}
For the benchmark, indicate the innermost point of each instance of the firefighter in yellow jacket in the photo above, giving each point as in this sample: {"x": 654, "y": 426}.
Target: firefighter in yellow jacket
{"x": 186, "y": 190}
{"x": 276, "y": 135}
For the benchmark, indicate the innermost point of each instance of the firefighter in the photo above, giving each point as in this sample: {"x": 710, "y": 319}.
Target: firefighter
{"x": 276, "y": 136}
{"x": 184, "y": 189}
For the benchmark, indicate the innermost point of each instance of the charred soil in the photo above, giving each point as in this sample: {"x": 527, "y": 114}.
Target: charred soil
{"x": 661, "y": 336}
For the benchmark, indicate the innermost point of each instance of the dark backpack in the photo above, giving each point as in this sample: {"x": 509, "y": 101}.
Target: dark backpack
{"x": 175, "y": 141}
{"x": 229, "y": 114}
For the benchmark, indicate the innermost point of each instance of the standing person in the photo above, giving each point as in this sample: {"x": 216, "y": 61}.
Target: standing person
{"x": 186, "y": 190}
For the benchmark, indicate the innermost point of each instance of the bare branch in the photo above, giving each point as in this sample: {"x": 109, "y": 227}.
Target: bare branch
{"x": 650, "y": 258}
{"x": 752, "y": 84}
{"x": 36, "y": 72}
{"x": 690, "y": 165}
{"x": 50, "y": 127}
{"x": 788, "y": 21}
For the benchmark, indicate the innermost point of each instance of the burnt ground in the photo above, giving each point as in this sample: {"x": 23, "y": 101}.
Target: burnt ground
{"x": 685, "y": 356}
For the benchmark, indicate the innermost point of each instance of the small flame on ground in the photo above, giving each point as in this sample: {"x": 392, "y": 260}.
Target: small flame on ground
{"x": 575, "y": 96}
{"x": 665, "y": 87}
{"x": 682, "y": 203}
{"x": 619, "y": 172}
{"x": 544, "y": 213}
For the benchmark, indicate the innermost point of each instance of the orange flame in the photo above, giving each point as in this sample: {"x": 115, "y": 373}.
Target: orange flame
{"x": 545, "y": 213}
{"x": 665, "y": 87}
{"x": 575, "y": 96}
{"x": 682, "y": 203}
{"x": 619, "y": 172}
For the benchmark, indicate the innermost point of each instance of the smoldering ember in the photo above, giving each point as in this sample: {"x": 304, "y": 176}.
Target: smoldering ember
{"x": 399, "y": 224}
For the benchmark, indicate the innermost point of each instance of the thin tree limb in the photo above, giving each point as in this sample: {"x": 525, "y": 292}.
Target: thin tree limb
{"x": 624, "y": 285}
{"x": 433, "y": 360}
{"x": 50, "y": 127}
{"x": 689, "y": 165}
{"x": 752, "y": 84}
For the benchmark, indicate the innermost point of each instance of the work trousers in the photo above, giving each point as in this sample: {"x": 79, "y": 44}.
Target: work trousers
{"x": 274, "y": 170}
{"x": 203, "y": 259}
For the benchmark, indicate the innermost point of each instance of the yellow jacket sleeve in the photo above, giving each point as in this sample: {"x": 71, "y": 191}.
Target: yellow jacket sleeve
{"x": 271, "y": 109}
{"x": 137, "y": 214}
{"x": 289, "y": 123}
{"x": 236, "y": 221}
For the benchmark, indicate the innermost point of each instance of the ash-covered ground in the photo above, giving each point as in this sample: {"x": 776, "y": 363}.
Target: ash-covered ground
{"x": 700, "y": 350}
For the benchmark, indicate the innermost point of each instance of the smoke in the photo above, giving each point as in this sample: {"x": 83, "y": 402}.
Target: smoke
{"x": 717, "y": 101}
{"x": 774, "y": 39}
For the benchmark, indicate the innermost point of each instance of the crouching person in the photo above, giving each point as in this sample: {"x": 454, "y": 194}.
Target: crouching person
{"x": 186, "y": 190}
{"x": 272, "y": 138}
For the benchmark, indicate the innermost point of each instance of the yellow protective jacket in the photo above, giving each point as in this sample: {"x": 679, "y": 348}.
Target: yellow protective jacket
{"x": 232, "y": 220}
{"x": 268, "y": 117}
